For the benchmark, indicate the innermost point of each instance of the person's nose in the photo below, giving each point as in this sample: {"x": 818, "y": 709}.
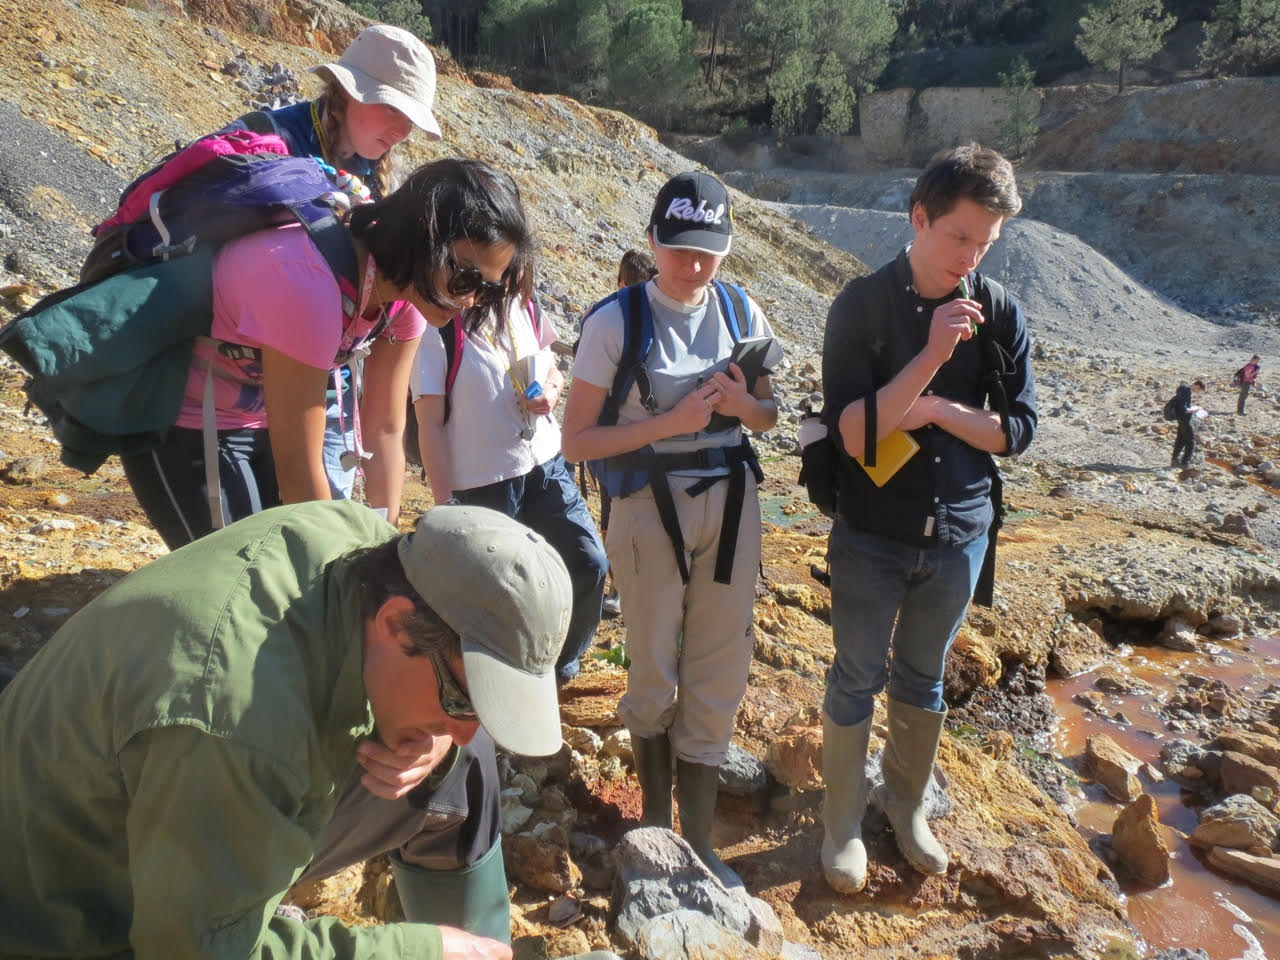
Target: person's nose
{"x": 400, "y": 127}
{"x": 466, "y": 301}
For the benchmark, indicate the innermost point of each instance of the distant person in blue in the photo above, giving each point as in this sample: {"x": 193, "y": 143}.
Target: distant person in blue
{"x": 916, "y": 348}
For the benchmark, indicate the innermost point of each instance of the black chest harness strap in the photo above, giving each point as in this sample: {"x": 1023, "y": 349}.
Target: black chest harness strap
{"x": 737, "y": 459}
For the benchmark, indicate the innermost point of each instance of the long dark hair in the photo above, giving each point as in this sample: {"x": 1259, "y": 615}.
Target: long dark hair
{"x": 410, "y": 231}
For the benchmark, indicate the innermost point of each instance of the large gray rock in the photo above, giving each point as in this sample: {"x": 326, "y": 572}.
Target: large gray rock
{"x": 742, "y": 774}
{"x": 937, "y": 803}
{"x": 690, "y": 935}
{"x": 658, "y": 873}
{"x": 1239, "y": 822}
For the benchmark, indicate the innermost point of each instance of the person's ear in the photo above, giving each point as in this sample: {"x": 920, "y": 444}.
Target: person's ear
{"x": 919, "y": 216}
{"x": 389, "y": 618}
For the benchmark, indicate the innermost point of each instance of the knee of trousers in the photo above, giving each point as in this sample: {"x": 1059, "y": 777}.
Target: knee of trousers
{"x": 645, "y": 716}
{"x": 849, "y": 700}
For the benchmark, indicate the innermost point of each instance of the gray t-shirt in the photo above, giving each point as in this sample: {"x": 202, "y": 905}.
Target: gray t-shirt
{"x": 689, "y": 343}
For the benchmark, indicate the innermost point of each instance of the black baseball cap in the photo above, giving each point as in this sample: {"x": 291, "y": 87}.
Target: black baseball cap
{"x": 693, "y": 212}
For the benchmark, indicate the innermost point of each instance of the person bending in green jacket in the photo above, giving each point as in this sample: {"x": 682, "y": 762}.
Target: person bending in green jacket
{"x": 172, "y": 761}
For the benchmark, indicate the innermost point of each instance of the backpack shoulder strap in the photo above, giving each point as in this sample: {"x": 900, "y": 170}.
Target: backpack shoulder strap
{"x": 637, "y": 341}
{"x": 993, "y": 339}
{"x": 734, "y": 308}
{"x": 454, "y": 338}
{"x": 257, "y": 121}
{"x": 535, "y": 316}
{"x": 333, "y": 240}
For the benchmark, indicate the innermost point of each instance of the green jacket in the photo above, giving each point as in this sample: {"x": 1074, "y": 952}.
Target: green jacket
{"x": 169, "y": 759}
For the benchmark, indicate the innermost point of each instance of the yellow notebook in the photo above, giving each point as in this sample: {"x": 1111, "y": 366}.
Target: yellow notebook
{"x": 891, "y": 453}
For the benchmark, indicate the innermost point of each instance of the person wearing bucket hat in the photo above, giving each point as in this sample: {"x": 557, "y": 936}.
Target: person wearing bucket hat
{"x": 684, "y": 532}
{"x": 231, "y": 698}
{"x": 382, "y": 86}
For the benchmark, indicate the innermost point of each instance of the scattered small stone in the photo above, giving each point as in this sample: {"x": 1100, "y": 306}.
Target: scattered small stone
{"x": 55, "y": 523}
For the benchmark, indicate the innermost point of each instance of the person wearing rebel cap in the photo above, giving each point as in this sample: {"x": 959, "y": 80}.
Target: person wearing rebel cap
{"x": 684, "y": 532}
{"x": 382, "y": 86}
{"x": 230, "y": 697}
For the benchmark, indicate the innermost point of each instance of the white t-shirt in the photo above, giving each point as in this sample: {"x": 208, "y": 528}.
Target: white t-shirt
{"x": 688, "y": 343}
{"x": 485, "y": 418}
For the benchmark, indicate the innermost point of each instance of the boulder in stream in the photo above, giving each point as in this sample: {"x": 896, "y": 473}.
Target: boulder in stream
{"x": 1139, "y": 842}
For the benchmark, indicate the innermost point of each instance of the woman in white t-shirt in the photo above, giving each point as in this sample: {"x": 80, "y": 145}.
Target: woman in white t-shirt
{"x": 489, "y": 439}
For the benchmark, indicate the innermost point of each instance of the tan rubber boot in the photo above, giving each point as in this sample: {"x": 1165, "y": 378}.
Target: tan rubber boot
{"x": 909, "y": 753}
{"x": 844, "y": 771}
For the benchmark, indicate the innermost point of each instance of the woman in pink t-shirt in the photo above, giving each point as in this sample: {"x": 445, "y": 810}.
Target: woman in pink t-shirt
{"x": 452, "y": 236}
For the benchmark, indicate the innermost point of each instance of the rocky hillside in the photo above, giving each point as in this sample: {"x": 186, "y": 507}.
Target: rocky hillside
{"x": 1105, "y": 549}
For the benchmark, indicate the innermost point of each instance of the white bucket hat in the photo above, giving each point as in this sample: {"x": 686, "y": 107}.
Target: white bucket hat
{"x": 386, "y": 64}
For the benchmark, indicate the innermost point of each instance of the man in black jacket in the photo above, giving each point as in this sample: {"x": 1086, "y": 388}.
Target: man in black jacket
{"x": 1184, "y": 442}
{"x": 903, "y": 353}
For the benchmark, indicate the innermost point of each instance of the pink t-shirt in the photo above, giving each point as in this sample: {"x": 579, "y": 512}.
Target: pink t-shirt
{"x": 273, "y": 289}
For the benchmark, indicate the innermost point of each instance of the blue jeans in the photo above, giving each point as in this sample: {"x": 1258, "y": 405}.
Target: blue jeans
{"x": 341, "y": 481}
{"x": 876, "y": 581}
{"x": 547, "y": 500}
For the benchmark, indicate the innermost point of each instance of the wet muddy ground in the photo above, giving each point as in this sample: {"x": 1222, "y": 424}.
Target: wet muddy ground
{"x": 1198, "y": 908}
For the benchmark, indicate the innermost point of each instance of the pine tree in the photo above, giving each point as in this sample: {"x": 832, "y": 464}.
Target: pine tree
{"x": 1242, "y": 35}
{"x": 1116, "y": 33}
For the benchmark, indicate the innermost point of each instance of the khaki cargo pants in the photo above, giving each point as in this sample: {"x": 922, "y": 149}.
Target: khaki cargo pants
{"x": 690, "y": 646}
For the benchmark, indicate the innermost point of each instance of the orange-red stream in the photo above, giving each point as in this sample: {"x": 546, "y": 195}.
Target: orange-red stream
{"x": 1198, "y": 908}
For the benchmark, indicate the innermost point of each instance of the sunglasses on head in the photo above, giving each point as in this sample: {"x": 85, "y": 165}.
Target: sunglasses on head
{"x": 465, "y": 279}
{"x": 453, "y": 699}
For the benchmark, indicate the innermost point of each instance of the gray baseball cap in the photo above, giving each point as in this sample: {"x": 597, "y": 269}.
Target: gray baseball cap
{"x": 505, "y": 591}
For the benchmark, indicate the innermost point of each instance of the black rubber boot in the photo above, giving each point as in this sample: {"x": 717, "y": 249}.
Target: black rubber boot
{"x": 696, "y": 787}
{"x": 652, "y": 756}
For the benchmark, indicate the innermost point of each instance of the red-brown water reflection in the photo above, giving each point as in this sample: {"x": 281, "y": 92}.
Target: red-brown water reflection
{"x": 1198, "y": 908}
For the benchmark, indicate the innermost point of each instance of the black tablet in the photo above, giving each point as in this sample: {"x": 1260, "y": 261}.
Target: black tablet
{"x": 749, "y": 354}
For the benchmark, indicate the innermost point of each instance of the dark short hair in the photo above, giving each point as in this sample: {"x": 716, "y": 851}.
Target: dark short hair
{"x": 971, "y": 172}
{"x": 636, "y": 266}
{"x": 379, "y": 576}
{"x": 409, "y": 231}
{"x": 1198, "y": 383}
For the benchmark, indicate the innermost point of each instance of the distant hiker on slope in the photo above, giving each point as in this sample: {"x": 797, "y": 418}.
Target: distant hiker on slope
{"x": 485, "y": 392}
{"x": 911, "y": 356}
{"x": 1245, "y": 378}
{"x": 664, "y": 411}
{"x": 211, "y": 730}
{"x": 1184, "y": 412}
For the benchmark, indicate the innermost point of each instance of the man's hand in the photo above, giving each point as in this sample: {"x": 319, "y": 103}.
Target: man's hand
{"x": 919, "y": 414}
{"x": 460, "y": 945}
{"x": 391, "y": 774}
{"x": 952, "y": 322}
{"x": 733, "y": 401}
{"x": 693, "y": 412}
